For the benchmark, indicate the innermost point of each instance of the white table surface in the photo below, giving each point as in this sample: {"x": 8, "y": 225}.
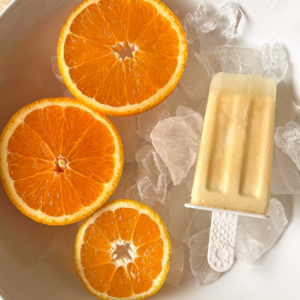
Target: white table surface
{"x": 36, "y": 261}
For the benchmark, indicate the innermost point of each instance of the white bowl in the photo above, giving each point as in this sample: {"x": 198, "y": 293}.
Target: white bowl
{"x": 36, "y": 261}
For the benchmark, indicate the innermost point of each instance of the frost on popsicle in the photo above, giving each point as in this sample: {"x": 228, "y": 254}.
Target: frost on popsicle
{"x": 201, "y": 270}
{"x": 255, "y": 236}
{"x": 176, "y": 140}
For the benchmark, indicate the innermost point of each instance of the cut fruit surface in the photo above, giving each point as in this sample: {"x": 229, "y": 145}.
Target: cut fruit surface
{"x": 122, "y": 57}
{"x": 60, "y": 161}
{"x": 123, "y": 251}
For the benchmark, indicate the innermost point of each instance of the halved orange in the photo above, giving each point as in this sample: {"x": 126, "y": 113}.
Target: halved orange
{"x": 59, "y": 160}
{"x": 122, "y": 57}
{"x": 123, "y": 251}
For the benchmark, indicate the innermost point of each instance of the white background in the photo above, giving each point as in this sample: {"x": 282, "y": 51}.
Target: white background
{"x": 36, "y": 261}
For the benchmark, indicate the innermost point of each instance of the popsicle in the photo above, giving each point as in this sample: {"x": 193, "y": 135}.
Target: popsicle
{"x": 233, "y": 171}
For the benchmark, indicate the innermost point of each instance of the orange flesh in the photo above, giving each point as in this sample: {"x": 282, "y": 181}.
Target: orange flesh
{"x": 107, "y": 27}
{"x": 83, "y": 145}
{"x": 114, "y": 228}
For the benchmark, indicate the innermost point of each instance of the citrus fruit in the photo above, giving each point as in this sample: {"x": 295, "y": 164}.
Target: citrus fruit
{"x": 121, "y": 57}
{"x": 59, "y": 160}
{"x": 123, "y": 251}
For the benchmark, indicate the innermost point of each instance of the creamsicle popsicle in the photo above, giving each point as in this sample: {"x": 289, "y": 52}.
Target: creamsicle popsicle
{"x": 235, "y": 156}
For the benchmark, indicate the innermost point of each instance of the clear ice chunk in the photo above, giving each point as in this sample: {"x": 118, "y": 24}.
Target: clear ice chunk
{"x": 285, "y": 175}
{"x": 190, "y": 31}
{"x": 202, "y": 22}
{"x": 228, "y": 19}
{"x": 201, "y": 269}
{"x": 255, "y": 236}
{"x": 152, "y": 180}
{"x": 288, "y": 139}
{"x": 177, "y": 14}
{"x": 55, "y": 69}
{"x": 127, "y": 129}
{"x": 176, "y": 140}
{"x": 201, "y": 222}
{"x": 177, "y": 262}
{"x": 274, "y": 62}
{"x": 128, "y": 179}
{"x": 194, "y": 81}
{"x": 176, "y": 216}
{"x": 238, "y": 60}
{"x": 147, "y": 120}
{"x": 66, "y": 92}
{"x": 177, "y": 98}
{"x": 209, "y": 61}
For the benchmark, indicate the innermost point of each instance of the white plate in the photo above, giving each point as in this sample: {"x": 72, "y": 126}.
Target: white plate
{"x": 36, "y": 261}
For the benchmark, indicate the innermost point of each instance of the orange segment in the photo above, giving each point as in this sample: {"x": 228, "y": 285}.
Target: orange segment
{"x": 94, "y": 238}
{"x": 91, "y": 256}
{"x": 120, "y": 285}
{"x": 48, "y": 123}
{"x": 140, "y": 14}
{"x": 90, "y": 23}
{"x": 100, "y": 277}
{"x": 126, "y": 221}
{"x": 115, "y": 13}
{"x": 106, "y": 239}
{"x": 112, "y": 91}
{"x": 60, "y": 161}
{"x": 97, "y": 54}
{"x": 96, "y": 142}
{"x": 139, "y": 84}
{"x": 28, "y": 143}
{"x": 20, "y": 166}
{"x": 86, "y": 189}
{"x": 108, "y": 226}
{"x": 146, "y": 231}
{"x": 100, "y": 169}
{"x": 152, "y": 250}
{"x": 159, "y": 68}
{"x": 77, "y": 122}
{"x": 149, "y": 266}
{"x": 141, "y": 282}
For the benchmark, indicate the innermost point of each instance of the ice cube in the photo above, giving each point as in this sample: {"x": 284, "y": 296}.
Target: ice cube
{"x": 127, "y": 129}
{"x": 194, "y": 81}
{"x": 66, "y": 92}
{"x": 274, "y": 62}
{"x": 147, "y": 120}
{"x": 209, "y": 61}
{"x": 189, "y": 179}
{"x": 201, "y": 222}
{"x": 238, "y": 60}
{"x": 128, "y": 179}
{"x": 255, "y": 236}
{"x": 285, "y": 175}
{"x": 176, "y": 216}
{"x": 152, "y": 180}
{"x": 177, "y": 262}
{"x": 201, "y": 270}
{"x": 190, "y": 31}
{"x": 55, "y": 69}
{"x": 176, "y": 140}
{"x": 177, "y": 14}
{"x": 183, "y": 111}
{"x": 177, "y": 98}
{"x": 228, "y": 19}
{"x": 288, "y": 139}
{"x": 202, "y": 22}
{"x": 134, "y": 194}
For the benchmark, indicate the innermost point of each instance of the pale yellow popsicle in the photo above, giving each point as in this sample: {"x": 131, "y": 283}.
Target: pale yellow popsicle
{"x": 235, "y": 156}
